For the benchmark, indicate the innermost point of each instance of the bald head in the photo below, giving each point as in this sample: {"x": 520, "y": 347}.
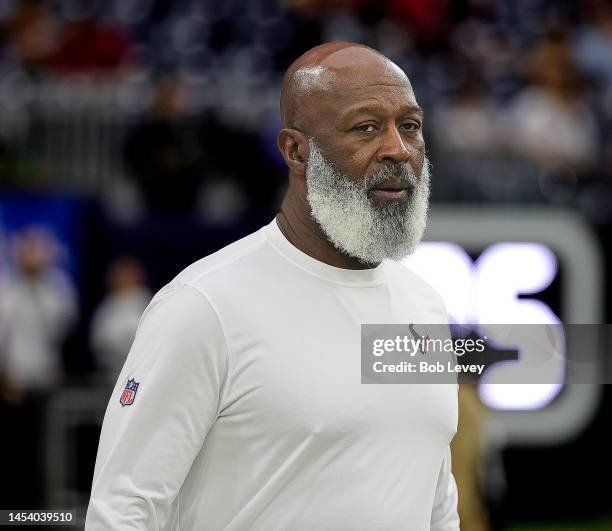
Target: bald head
{"x": 330, "y": 67}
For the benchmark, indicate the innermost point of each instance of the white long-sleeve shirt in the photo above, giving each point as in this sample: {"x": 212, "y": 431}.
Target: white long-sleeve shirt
{"x": 250, "y": 412}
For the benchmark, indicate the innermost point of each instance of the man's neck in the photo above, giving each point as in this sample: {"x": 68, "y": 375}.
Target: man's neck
{"x": 298, "y": 226}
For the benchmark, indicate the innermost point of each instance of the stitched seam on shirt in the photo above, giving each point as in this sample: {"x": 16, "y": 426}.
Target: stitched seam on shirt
{"x": 225, "y": 383}
{"x": 153, "y": 302}
{"x": 178, "y": 511}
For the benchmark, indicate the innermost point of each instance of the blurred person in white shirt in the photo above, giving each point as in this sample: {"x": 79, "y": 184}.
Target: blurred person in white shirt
{"x": 37, "y": 309}
{"x": 550, "y": 121}
{"x": 114, "y": 322}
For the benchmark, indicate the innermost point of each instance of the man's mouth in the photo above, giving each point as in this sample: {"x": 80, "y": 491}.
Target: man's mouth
{"x": 393, "y": 189}
{"x": 389, "y": 195}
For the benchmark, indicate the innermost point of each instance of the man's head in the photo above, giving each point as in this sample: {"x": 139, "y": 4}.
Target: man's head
{"x": 353, "y": 142}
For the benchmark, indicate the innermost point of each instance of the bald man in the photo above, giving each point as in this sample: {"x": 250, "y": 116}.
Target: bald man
{"x": 240, "y": 405}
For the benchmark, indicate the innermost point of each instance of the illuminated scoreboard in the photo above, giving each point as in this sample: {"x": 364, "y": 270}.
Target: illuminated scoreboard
{"x": 486, "y": 263}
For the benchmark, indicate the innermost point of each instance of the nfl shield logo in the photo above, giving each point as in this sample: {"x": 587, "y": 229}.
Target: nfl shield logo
{"x": 129, "y": 393}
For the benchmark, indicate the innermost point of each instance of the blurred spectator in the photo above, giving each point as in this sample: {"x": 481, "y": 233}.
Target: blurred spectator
{"x": 163, "y": 151}
{"x": 593, "y": 43}
{"x": 32, "y": 35}
{"x": 469, "y": 154}
{"x": 115, "y": 320}
{"x": 88, "y": 46}
{"x": 467, "y": 124}
{"x": 37, "y": 310}
{"x": 483, "y": 50}
{"x": 253, "y": 175}
{"x": 550, "y": 121}
{"x": 428, "y": 21}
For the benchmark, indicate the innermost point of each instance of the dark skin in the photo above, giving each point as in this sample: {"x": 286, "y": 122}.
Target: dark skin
{"x": 361, "y": 110}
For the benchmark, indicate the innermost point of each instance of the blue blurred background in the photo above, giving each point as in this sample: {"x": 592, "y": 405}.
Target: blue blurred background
{"x": 137, "y": 136}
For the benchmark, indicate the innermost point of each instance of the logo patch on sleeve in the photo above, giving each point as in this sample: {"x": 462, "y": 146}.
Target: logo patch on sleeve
{"x": 129, "y": 393}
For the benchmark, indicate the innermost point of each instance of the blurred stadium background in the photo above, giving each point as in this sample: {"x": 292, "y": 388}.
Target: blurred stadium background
{"x": 137, "y": 136}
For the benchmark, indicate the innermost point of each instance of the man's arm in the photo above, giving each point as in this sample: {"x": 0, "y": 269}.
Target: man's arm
{"x": 179, "y": 361}
{"x": 444, "y": 516}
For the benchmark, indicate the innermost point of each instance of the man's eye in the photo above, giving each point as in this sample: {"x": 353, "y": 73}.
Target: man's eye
{"x": 366, "y": 128}
{"x": 411, "y": 126}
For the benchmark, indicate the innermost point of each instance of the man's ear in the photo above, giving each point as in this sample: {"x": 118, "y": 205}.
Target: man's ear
{"x": 294, "y": 147}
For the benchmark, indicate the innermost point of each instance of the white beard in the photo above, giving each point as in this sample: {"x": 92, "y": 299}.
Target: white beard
{"x": 352, "y": 223}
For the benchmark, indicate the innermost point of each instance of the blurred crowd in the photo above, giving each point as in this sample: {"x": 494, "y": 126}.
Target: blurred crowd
{"x": 162, "y": 116}
{"x": 518, "y": 94}
{"x": 39, "y": 310}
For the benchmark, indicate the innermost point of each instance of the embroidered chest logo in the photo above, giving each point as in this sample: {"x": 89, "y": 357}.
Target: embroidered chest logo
{"x": 129, "y": 393}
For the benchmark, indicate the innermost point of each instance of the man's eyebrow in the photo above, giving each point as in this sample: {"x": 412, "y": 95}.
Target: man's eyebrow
{"x": 369, "y": 109}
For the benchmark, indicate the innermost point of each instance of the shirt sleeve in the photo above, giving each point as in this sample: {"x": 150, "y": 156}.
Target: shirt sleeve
{"x": 179, "y": 361}
{"x": 444, "y": 515}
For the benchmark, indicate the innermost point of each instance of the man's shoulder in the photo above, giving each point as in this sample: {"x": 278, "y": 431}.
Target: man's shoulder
{"x": 245, "y": 255}
{"x": 189, "y": 293}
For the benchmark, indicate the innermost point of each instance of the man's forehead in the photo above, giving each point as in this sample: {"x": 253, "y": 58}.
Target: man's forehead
{"x": 330, "y": 77}
{"x": 350, "y": 73}
{"x": 355, "y": 66}
{"x": 364, "y": 62}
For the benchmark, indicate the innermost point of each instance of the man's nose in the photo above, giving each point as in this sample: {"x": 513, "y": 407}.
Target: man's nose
{"x": 392, "y": 148}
